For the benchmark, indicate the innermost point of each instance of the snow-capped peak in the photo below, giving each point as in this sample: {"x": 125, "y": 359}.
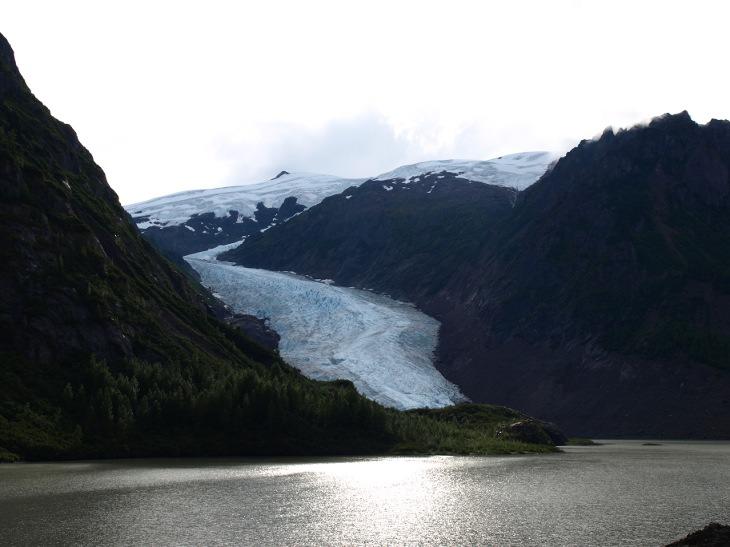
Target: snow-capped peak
{"x": 514, "y": 170}
{"x": 308, "y": 188}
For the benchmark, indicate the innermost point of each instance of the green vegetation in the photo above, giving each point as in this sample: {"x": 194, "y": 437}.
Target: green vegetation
{"x": 466, "y": 429}
{"x": 7, "y": 456}
{"x": 150, "y": 409}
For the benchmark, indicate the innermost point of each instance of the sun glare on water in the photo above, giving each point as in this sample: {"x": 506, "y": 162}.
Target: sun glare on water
{"x": 384, "y": 499}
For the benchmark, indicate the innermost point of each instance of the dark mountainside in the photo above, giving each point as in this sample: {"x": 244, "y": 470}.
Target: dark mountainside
{"x": 601, "y": 301}
{"x": 608, "y": 289}
{"x": 388, "y": 236}
{"x": 108, "y": 350}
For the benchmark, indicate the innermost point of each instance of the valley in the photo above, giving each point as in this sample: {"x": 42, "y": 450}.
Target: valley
{"x": 552, "y": 278}
{"x": 383, "y": 273}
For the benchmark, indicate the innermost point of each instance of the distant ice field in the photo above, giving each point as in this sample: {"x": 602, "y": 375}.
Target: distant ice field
{"x": 383, "y": 346}
{"x": 308, "y": 188}
{"x": 513, "y": 170}
{"x": 517, "y": 171}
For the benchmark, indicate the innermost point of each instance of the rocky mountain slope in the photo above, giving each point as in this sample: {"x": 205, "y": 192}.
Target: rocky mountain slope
{"x": 600, "y": 299}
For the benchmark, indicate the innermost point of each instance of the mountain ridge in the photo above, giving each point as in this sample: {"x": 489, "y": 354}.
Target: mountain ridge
{"x": 197, "y": 220}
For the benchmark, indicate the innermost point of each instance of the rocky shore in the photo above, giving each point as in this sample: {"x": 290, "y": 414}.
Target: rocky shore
{"x": 712, "y": 535}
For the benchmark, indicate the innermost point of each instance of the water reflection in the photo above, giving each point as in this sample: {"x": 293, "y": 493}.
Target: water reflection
{"x": 623, "y": 493}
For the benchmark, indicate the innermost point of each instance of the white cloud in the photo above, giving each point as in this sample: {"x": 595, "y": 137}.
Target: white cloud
{"x": 173, "y": 95}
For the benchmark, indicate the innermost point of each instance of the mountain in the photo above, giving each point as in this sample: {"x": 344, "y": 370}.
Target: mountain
{"x": 189, "y": 222}
{"x": 391, "y": 236}
{"x": 108, "y": 350}
{"x": 608, "y": 287}
{"x": 597, "y": 297}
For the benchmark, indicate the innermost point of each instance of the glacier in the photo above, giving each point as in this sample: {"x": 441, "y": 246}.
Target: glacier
{"x": 385, "y": 347}
{"x": 516, "y": 171}
{"x": 308, "y": 188}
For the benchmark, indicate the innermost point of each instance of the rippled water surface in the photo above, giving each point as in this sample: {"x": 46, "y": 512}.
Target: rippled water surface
{"x": 622, "y": 493}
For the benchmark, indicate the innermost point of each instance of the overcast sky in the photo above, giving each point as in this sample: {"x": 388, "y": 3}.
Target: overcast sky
{"x": 174, "y": 96}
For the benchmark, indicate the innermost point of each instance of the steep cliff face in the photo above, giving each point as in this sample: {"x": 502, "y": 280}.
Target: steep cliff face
{"x": 600, "y": 300}
{"x": 76, "y": 276}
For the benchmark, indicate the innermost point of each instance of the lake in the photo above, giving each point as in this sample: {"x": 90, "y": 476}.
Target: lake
{"x": 621, "y": 493}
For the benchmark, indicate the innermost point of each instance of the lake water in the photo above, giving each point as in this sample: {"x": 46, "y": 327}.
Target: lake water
{"x": 622, "y": 493}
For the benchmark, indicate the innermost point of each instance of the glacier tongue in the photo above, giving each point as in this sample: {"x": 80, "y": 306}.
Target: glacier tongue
{"x": 383, "y": 346}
